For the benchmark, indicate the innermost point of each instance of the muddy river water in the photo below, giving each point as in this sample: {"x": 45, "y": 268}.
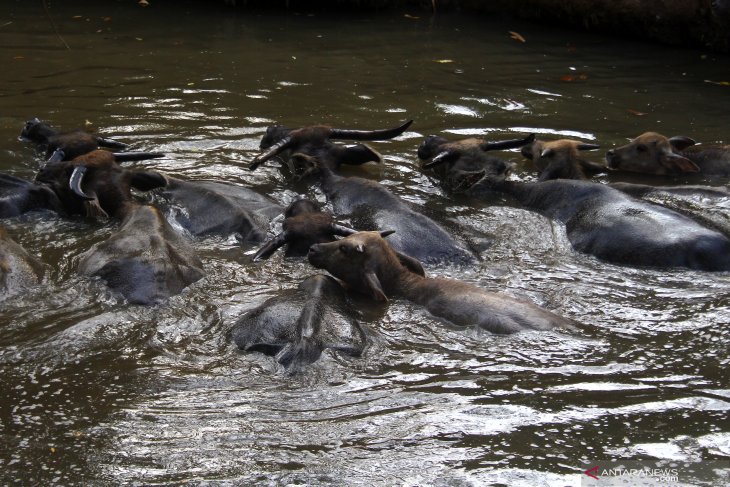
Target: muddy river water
{"x": 96, "y": 391}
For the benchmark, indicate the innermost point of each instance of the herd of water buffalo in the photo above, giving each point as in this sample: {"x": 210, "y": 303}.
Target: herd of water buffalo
{"x": 147, "y": 260}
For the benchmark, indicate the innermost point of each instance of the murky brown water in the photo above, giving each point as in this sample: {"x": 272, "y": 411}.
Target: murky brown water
{"x": 98, "y": 391}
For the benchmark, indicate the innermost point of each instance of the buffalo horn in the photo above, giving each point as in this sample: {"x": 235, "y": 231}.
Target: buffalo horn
{"x": 369, "y": 134}
{"x": 57, "y": 156}
{"x": 342, "y": 230}
{"x": 271, "y": 246}
{"x": 385, "y": 233}
{"x": 273, "y": 151}
{"x": 507, "y": 144}
{"x": 136, "y": 156}
{"x": 75, "y": 182}
{"x": 442, "y": 158}
{"x": 588, "y": 146}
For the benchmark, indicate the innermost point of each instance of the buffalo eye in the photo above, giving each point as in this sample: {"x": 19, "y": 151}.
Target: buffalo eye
{"x": 641, "y": 148}
{"x": 343, "y": 248}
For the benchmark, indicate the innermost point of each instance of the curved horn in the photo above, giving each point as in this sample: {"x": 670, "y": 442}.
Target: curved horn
{"x": 271, "y": 246}
{"x": 369, "y": 134}
{"x": 342, "y": 230}
{"x": 587, "y": 146}
{"x": 57, "y": 156}
{"x": 442, "y": 158}
{"x": 273, "y": 151}
{"x": 136, "y": 156}
{"x": 507, "y": 144}
{"x": 385, "y": 233}
{"x": 75, "y": 182}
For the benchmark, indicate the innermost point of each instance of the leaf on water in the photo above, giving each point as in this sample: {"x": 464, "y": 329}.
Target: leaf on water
{"x": 143, "y": 3}
{"x": 77, "y": 17}
{"x": 443, "y": 61}
{"x": 139, "y": 38}
{"x": 106, "y": 19}
{"x": 567, "y": 78}
{"x": 412, "y": 17}
{"x": 719, "y": 83}
{"x": 636, "y": 112}
{"x": 516, "y": 36}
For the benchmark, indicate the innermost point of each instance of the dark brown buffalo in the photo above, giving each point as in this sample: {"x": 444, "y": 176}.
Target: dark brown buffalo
{"x": 297, "y": 326}
{"x": 18, "y": 196}
{"x": 457, "y": 163}
{"x": 305, "y": 224}
{"x": 368, "y": 204}
{"x": 368, "y": 264}
{"x": 655, "y": 154}
{"x": 71, "y": 144}
{"x": 145, "y": 259}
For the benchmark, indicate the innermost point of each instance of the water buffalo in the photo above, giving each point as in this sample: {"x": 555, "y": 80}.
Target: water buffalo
{"x": 561, "y": 159}
{"x": 18, "y": 196}
{"x": 72, "y": 144}
{"x": 297, "y": 326}
{"x": 457, "y": 162}
{"x": 145, "y": 259}
{"x": 368, "y": 204}
{"x": 368, "y": 264}
{"x": 305, "y": 224}
{"x": 604, "y": 222}
{"x": 18, "y": 268}
{"x": 652, "y": 153}
{"x": 206, "y": 208}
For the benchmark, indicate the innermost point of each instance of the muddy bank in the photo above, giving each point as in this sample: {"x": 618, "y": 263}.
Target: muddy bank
{"x": 698, "y": 23}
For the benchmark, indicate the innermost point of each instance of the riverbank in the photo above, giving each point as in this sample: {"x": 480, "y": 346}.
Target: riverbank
{"x": 696, "y": 23}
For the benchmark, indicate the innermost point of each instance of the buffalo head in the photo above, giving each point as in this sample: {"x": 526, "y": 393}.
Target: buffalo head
{"x": 652, "y": 153}
{"x": 316, "y": 142}
{"x": 561, "y": 159}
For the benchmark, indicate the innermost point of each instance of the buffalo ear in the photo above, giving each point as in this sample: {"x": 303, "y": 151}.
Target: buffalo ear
{"x": 373, "y": 285}
{"x": 411, "y": 264}
{"x": 147, "y": 180}
{"x": 357, "y": 154}
{"x": 526, "y": 151}
{"x": 680, "y": 142}
{"x": 676, "y": 163}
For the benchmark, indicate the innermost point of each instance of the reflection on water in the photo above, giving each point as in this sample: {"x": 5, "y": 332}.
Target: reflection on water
{"x": 100, "y": 391}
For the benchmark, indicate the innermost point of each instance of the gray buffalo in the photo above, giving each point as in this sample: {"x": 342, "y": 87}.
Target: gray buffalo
{"x": 297, "y": 326}
{"x": 367, "y": 204}
{"x": 18, "y": 269}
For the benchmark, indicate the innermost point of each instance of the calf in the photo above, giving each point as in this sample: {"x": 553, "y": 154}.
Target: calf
{"x": 305, "y": 224}
{"x": 368, "y": 204}
{"x": 299, "y": 325}
{"x": 368, "y": 264}
{"x": 561, "y": 159}
{"x": 652, "y": 153}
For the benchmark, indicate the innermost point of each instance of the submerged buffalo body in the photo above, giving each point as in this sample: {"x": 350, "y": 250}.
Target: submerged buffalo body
{"x": 18, "y": 196}
{"x": 18, "y": 269}
{"x": 605, "y": 222}
{"x": 299, "y": 325}
{"x": 145, "y": 261}
{"x": 368, "y": 264}
{"x": 205, "y": 208}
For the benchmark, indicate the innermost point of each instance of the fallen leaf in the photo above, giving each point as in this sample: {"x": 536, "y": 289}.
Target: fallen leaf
{"x": 144, "y": 3}
{"x": 53, "y": 450}
{"x": 77, "y": 17}
{"x": 636, "y": 112}
{"x": 582, "y": 77}
{"x": 139, "y": 38}
{"x": 567, "y": 78}
{"x": 412, "y": 17}
{"x": 720, "y": 83}
{"x": 516, "y": 36}
{"x": 443, "y": 61}
{"x": 106, "y": 19}
{"x": 19, "y": 57}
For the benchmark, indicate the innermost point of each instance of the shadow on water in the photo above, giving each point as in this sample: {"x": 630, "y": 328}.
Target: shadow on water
{"x": 100, "y": 391}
